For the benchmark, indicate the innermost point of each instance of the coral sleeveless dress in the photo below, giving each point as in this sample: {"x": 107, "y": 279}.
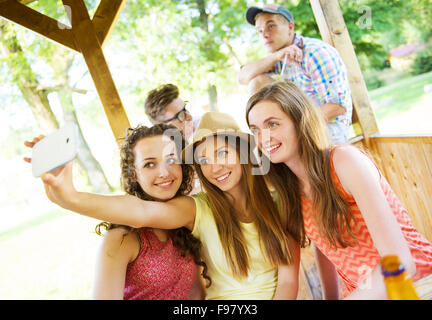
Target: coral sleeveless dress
{"x": 159, "y": 272}
{"x": 354, "y": 263}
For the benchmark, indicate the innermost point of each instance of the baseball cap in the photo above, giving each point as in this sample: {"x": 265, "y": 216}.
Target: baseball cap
{"x": 270, "y": 8}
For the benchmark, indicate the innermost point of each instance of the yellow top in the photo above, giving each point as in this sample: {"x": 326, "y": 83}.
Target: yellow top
{"x": 262, "y": 276}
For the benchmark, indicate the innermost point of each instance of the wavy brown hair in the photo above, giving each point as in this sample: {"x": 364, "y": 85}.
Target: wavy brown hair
{"x": 158, "y": 99}
{"x": 333, "y": 213}
{"x": 273, "y": 238}
{"x": 181, "y": 237}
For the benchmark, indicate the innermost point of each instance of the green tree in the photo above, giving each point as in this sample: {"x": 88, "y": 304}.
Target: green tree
{"x": 18, "y": 55}
{"x": 183, "y": 42}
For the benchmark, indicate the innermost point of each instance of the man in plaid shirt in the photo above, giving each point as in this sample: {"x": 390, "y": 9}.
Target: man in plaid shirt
{"x": 311, "y": 64}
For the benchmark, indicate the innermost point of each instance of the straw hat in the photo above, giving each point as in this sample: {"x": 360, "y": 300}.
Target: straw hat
{"x": 215, "y": 124}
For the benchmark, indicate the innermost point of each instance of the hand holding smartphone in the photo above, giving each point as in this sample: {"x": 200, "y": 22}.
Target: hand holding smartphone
{"x": 55, "y": 150}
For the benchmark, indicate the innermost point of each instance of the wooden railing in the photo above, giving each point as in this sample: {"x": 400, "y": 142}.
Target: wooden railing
{"x": 406, "y": 162}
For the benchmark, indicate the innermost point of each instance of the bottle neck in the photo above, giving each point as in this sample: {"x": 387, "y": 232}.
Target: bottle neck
{"x": 387, "y": 273}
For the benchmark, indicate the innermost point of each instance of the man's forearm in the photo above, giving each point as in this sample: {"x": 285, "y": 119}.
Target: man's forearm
{"x": 332, "y": 110}
{"x": 255, "y": 68}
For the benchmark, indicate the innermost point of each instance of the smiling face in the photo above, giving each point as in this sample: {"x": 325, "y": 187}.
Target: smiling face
{"x": 157, "y": 168}
{"x": 274, "y": 131}
{"x": 172, "y": 109}
{"x": 219, "y": 163}
{"x": 274, "y": 30}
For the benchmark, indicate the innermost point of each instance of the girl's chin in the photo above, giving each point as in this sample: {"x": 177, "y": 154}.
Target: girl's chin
{"x": 274, "y": 158}
{"x": 164, "y": 196}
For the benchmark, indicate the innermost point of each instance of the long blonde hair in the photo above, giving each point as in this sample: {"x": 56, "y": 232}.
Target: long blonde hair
{"x": 274, "y": 239}
{"x": 333, "y": 213}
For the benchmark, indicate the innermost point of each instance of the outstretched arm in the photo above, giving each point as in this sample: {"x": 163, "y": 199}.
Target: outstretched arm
{"x": 119, "y": 209}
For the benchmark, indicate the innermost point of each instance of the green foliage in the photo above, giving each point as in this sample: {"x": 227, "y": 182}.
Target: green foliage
{"x": 422, "y": 62}
{"x": 373, "y": 80}
{"x": 173, "y": 41}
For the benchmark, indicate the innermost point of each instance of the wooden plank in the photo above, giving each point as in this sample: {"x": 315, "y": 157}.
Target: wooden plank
{"x": 105, "y": 18}
{"x": 87, "y": 40}
{"x": 321, "y": 21}
{"x": 406, "y": 163}
{"x": 37, "y": 22}
{"x": 26, "y": 1}
{"x": 407, "y": 166}
{"x": 340, "y": 37}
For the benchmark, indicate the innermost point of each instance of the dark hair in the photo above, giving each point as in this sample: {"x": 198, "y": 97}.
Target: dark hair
{"x": 157, "y": 100}
{"x": 181, "y": 237}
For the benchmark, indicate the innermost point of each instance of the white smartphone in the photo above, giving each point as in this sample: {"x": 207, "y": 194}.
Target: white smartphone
{"x": 55, "y": 150}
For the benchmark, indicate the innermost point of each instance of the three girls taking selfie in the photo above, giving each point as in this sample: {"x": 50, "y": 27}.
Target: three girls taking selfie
{"x": 334, "y": 197}
{"x": 245, "y": 246}
{"x": 149, "y": 263}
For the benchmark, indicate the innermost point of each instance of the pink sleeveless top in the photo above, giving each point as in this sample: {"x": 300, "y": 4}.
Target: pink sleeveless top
{"x": 354, "y": 263}
{"x": 159, "y": 272}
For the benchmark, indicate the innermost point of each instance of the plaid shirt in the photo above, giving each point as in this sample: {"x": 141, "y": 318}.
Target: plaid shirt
{"x": 322, "y": 75}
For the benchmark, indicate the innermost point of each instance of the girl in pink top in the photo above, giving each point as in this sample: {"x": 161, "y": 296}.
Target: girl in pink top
{"x": 150, "y": 263}
{"x": 334, "y": 196}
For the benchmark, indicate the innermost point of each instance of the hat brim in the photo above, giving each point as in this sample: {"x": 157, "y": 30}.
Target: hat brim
{"x": 188, "y": 151}
{"x": 253, "y": 11}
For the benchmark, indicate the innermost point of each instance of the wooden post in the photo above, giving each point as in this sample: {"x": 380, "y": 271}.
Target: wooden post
{"x": 333, "y": 30}
{"x": 87, "y": 41}
{"x": 105, "y": 18}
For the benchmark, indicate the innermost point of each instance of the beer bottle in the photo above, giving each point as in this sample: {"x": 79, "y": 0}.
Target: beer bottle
{"x": 397, "y": 280}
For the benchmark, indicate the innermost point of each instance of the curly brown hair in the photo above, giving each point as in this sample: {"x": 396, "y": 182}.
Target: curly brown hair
{"x": 157, "y": 100}
{"x": 181, "y": 237}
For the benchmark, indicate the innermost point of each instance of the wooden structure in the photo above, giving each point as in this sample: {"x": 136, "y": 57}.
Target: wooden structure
{"x": 405, "y": 161}
{"x": 86, "y": 37}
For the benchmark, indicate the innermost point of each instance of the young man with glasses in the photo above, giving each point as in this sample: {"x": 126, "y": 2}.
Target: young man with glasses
{"x": 163, "y": 104}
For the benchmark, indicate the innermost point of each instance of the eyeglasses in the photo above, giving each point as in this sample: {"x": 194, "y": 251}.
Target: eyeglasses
{"x": 180, "y": 116}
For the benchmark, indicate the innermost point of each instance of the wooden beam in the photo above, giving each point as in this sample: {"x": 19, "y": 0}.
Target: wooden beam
{"x": 326, "y": 36}
{"x": 334, "y": 22}
{"x": 31, "y": 19}
{"x": 105, "y": 18}
{"x": 321, "y": 22}
{"x": 87, "y": 40}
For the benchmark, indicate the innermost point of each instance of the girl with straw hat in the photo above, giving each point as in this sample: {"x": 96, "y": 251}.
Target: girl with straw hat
{"x": 246, "y": 247}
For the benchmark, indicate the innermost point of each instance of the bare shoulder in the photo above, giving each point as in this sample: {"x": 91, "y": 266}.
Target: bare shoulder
{"x": 349, "y": 157}
{"x": 120, "y": 242}
{"x": 346, "y": 153}
{"x": 352, "y": 165}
